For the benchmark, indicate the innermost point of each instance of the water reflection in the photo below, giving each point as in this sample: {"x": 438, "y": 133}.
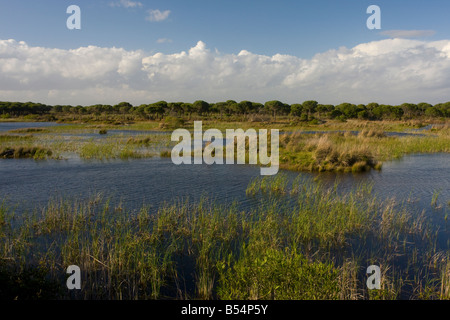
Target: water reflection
{"x": 6, "y": 126}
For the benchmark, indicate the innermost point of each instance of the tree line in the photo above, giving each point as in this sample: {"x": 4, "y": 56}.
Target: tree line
{"x": 306, "y": 111}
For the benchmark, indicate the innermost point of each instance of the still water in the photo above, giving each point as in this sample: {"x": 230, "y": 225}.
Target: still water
{"x": 28, "y": 184}
{"x": 6, "y": 126}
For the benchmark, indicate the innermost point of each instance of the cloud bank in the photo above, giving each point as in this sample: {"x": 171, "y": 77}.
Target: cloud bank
{"x": 387, "y": 71}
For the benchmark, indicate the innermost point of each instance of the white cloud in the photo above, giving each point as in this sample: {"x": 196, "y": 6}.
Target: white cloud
{"x": 126, "y": 4}
{"x": 164, "y": 40}
{"x": 157, "y": 15}
{"x": 387, "y": 71}
{"x": 408, "y": 34}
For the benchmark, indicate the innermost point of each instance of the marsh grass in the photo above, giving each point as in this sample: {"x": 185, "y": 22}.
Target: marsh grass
{"x": 304, "y": 241}
{"x": 265, "y": 185}
{"x": 372, "y": 133}
{"x": 269, "y": 273}
{"x": 434, "y": 198}
{"x": 98, "y": 151}
{"x": 37, "y": 153}
{"x": 165, "y": 154}
{"x": 445, "y": 280}
{"x": 171, "y": 123}
{"x": 76, "y": 140}
{"x": 28, "y": 130}
{"x": 329, "y": 221}
{"x": 323, "y": 152}
{"x": 139, "y": 141}
{"x": 356, "y": 153}
{"x": 13, "y": 138}
{"x": 16, "y": 146}
{"x": 384, "y": 125}
{"x": 342, "y": 151}
{"x": 111, "y": 149}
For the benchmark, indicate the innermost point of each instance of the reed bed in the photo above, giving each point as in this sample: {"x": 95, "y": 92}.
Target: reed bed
{"x": 14, "y": 138}
{"x": 304, "y": 241}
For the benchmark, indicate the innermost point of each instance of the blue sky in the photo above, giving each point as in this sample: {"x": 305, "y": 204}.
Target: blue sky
{"x": 294, "y": 28}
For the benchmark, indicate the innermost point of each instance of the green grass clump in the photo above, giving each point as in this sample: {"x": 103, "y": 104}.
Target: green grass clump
{"x": 97, "y": 151}
{"x": 130, "y": 153}
{"x": 324, "y": 153}
{"x": 274, "y": 185}
{"x": 329, "y": 158}
{"x": 263, "y": 273}
{"x": 105, "y": 150}
{"x": 37, "y": 153}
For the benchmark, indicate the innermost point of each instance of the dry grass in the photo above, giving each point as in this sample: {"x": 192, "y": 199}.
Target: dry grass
{"x": 345, "y": 151}
{"x": 321, "y": 153}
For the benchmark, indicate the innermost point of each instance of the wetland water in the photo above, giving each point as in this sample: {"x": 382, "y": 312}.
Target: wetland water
{"x": 28, "y": 184}
{"x": 6, "y": 126}
{"x": 413, "y": 181}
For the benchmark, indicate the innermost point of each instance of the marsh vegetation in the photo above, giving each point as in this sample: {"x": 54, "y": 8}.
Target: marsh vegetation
{"x": 304, "y": 241}
{"x": 358, "y": 146}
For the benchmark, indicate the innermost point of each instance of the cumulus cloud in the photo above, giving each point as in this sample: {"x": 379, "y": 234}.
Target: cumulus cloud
{"x": 408, "y": 34}
{"x": 386, "y": 71}
{"x": 157, "y": 15}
